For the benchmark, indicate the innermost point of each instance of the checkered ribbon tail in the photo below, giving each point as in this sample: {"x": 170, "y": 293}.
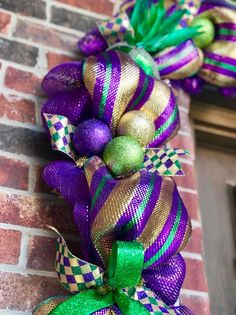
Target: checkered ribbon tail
{"x": 150, "y": 300}
{"x": 75, "y": 274}
{"x": 115, "y": 28}
{"x": 191, "y": 6}
{"x": 164, "y": 162}
{"x": 61, "y": 131}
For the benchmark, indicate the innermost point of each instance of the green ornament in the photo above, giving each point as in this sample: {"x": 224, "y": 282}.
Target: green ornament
{"x": 123, "y": 156}
{"x": 207, "y": 30}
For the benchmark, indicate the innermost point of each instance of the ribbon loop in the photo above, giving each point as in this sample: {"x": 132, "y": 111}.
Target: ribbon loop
{"x": 125, "y": 265}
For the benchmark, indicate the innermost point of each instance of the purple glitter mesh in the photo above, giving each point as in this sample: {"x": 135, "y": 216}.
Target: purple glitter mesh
{"x": 166, "y": 279}
{"x": 75, "y": 105}
{"x": 92, "y": 43}
{"x": 69, "y": 180}
{"x": 64, "y": 77}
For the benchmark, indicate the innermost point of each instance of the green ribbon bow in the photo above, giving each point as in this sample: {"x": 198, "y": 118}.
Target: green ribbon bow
{"x": 124, "y": 271}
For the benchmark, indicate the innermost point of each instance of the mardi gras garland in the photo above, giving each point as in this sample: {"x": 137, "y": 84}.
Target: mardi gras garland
{"x": 111, "y": 116}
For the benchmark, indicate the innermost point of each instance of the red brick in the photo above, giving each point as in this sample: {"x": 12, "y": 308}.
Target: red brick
{"x": 198, "y": 305}
{"x": 45, "y": 35}
{"x": 23, "y": 81}
{"x": 36, "y": 212}
{"x": 55, "y": 59}
{"x": 189, "y": 180}
{"x": 42, "y": 251}
{"x": 184, "y": 121}
{"x": 13, "y": 173}
{"x": 16, "y": 108}
{"x": 102, "y": 6}
{"x": 35, "y": 9}
{"x": 5, "y": 20}
{"x": 195, "y": 243}
{"x": 12, "y": 50}
{"x": 195, "y": 276}
{"x": 28, "y": 290}
{"x": 9, "y": 246}
{"x": 191, "y": 202}
{"x": 40, "y": 185}
{"x": 183, "y": 99}
{"x": 183, "y": 142}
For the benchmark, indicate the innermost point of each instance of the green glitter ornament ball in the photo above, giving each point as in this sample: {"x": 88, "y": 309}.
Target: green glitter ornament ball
{"x": 123, "y": 156}
{"x": 207, "y": 29}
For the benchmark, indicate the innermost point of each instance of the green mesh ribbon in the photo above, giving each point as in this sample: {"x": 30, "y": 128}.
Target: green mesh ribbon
{"x": 154, "y": 29}
{"x": 124, "y": 271}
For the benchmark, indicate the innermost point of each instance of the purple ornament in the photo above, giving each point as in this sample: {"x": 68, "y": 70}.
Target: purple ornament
{"x": 228, "y": 91}
{"x": 91, "y": 136}
{"x": 92, "y": 43}
{"x": 192, "y": 85}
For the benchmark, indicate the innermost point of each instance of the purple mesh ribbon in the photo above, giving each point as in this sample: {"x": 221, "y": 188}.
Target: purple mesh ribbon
{"x": 64, "y": 77}
{"x": 167, "y": 279}
{"x": 111, "y": 96}
{"x": 166, "y": 276}
{"x": 75, "y": 105}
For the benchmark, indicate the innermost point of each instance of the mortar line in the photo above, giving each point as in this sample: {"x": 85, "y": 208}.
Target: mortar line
{"x": 194, "y": 256}
{"x": 23, "y": 158}
{"x": 45, "y": 23}
{"x": 8, "y": 190}
{"x": 187, "y": 190}
{"x": 23, "y": 250}
{"x": 15, "y": 123}
{"x": 29, "y": 231}
{"x": 37, "y": 45}
{"x": 26, "y": 272}
{"x": 194, "y": 293}
{"x": 13, "y": 312}
{"x": 31, "y": 177}
{"x": 12, "y": 26}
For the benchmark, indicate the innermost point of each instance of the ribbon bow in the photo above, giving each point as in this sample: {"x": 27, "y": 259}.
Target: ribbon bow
{"x": 96, "y": 290}
{"x": 124, "y": 271}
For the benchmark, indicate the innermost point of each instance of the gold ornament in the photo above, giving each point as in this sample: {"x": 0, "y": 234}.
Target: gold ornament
{"x": 138, "y": 125}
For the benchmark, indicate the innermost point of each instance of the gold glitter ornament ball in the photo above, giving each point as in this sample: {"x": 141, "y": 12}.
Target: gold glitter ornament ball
{"x": 123, "y": 156}
{"x": 138, "y": 125}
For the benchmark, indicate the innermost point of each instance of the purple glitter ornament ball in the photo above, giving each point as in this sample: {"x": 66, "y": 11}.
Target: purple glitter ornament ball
{"x": 91, "y": 136}
{"x": 92, "y": 43}
{"x": 192, "y": 85}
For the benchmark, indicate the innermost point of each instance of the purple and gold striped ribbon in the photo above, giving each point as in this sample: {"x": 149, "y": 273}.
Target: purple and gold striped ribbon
{"x": 179, "y": 62}
{"x": 143, "y": 207}
{"x": 208, "y": 4}
{"x": 226, "y": 31}
{"x": 219, "y": 70}
{"x": 117, "y": 84}
{"x": 113, "y": 80}
{"x": 219, "y": 66}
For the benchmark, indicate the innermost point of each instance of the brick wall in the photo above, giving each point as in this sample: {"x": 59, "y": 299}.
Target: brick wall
{"x": 35, "y": 36}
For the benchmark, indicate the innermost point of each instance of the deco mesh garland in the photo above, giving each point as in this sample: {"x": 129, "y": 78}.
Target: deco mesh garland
{"x": 111, "y": 117}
